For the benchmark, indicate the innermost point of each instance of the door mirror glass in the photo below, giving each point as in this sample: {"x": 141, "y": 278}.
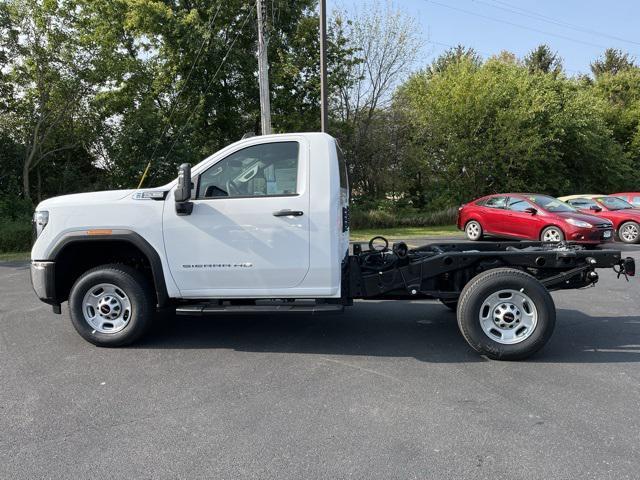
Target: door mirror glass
{"x": 531, "y": 210}
{"x": 183, "y": 190}
{"x": 595, "y": 208}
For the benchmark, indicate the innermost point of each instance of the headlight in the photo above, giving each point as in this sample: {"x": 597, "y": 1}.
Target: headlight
{"x": 579, "y": 223}
{"x": 40, "y": 220}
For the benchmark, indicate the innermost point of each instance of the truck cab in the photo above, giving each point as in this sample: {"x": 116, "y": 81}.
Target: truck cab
{"x": 254, "y": 207}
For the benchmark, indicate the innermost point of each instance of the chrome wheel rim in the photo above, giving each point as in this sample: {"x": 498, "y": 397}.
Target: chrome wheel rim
{"x": 552, "y": 235}
{"x": 508, "y": 317}
{"x": 473, "y": 230}
{"x": 629, "y": 233}
{"x": 106, "y": 308}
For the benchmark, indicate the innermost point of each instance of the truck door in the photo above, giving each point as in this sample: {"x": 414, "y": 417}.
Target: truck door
{"x": 249, "y": 228}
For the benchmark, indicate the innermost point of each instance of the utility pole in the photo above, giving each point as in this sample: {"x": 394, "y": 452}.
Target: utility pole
{"x": 324, "y": 116}
{"x": 263, "y": 72}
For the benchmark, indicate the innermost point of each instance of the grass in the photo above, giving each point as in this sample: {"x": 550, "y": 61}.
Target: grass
{"x": 14, "y": 256}
{"x": 405, "y": 232}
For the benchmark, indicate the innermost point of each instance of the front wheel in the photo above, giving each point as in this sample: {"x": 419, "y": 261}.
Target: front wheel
{"x": 111, "y": 305}
{"x": 473, "y": 230}
{"x": 552, "y": 234}
{"x": 629, "y": 232}
{"x": 506, "y": 314}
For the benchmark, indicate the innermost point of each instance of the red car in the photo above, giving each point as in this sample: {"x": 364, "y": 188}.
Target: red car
{"x": 625, "y": 218}
{"x": 531, "y": 216}
{"x": 632, "y": 197}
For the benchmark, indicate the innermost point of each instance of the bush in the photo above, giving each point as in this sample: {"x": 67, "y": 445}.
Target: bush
{"x": 364, "y": 219}
{"x": 15, "y": 236}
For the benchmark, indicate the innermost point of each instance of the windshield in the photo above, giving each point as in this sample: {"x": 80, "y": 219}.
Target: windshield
{"x": 614, "y": 203}
{"x": 550, "y": 204}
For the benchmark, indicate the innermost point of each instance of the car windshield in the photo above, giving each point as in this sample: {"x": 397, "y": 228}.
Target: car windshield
{"x": 614, "y": 203}
{"x": 550, "y": 204}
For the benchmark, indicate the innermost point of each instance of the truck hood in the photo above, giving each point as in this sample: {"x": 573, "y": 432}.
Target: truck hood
{"x": 90, "y": 198}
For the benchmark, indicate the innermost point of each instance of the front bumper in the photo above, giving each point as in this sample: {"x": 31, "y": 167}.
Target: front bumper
{"x": 591, "y": 235}
{"x": 43, "y": 281}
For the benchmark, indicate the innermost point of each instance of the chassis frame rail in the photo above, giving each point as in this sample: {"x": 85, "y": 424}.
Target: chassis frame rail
{"x": 441, "y": 270}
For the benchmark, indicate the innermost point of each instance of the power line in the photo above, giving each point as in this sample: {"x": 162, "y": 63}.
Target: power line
{"x": 215, "y": 75}
{"x": 513, "y": 24}
{"x": 538, "y": 16}
{"x": 205, "y": 40}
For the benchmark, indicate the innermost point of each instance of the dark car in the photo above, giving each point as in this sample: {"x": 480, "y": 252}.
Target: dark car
{"x": 531, "y": 216}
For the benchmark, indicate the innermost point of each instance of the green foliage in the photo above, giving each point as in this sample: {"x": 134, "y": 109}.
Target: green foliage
{"x": 15, "y": 236}
{"x": 366, "y": 219}
{"x": 453, "y": 56}
{"x": 613, "y": 61}
{"x": 543, "y": 59}
{"x": 500, "y": 128}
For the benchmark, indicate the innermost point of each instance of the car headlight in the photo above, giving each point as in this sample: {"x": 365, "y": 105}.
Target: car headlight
{"x": 579, "y": 223}
{"x": 40, "y": 220}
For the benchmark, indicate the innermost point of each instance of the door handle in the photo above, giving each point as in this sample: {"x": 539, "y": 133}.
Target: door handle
{"x": 288, "y": 213}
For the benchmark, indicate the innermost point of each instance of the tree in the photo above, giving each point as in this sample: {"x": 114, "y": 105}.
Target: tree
{"x": 612, "y": 61}
{"x": 455, "y": 55}
{"x": 385, "y": 41}
{"x": 498, "y": 128}
{"x": 542, "y": 59}
{"x": 48, "y": 70}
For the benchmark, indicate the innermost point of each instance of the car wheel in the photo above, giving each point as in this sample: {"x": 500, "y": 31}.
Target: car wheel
{"x": 473, "y": 230}
{"x": 111, "y": 305}
{"x": 552, "y": 234}
{"x": 506, "y": 314}
{"x": 629, "y": 232}
{"x": 451, "y": 304}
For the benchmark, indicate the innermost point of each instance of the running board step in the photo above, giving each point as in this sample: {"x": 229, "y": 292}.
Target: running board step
{"x": 208, "y": 309}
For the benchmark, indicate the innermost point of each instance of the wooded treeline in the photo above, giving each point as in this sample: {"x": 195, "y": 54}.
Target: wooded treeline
{"x": 91, "y": 91}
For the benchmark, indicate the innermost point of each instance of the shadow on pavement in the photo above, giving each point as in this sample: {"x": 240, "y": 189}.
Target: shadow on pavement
{"x": 425, "y": 331}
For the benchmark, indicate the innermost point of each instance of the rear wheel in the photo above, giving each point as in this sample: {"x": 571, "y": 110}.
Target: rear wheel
{"x": 629, "y": 232}
{"x": 506, "y": 314}
{"x": 111, "y": 305}
{"x": 473, "y": 230}
{"x": 552, "y": 234}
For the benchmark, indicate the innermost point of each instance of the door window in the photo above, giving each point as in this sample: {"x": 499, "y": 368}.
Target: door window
{"x": 268, "y": 169}
{"x": 636, "y": 201}
{"x": 496, "y": 202}
{"x": 518, "y": 204}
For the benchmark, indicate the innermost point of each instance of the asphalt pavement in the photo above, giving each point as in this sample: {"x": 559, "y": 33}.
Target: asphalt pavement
{"x": 388, "y": 390}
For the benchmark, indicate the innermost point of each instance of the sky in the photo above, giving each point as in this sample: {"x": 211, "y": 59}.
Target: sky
{"x": 579, "y": 30}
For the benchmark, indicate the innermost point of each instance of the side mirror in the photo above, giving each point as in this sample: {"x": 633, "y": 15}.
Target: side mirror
{"x": 531, "y": 210}
{"x": 182, "y": 193}
{"x": 595, "y": 208}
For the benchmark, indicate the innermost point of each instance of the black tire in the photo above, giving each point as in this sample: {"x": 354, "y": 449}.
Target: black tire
{"x": 139, "y": 293}
{"x": 474, "y": 237}
{"x": 450, "y": 304}
{"x": 559, "y": 232}
{"x": 633, "y": 227}
{"x": 481, "y": 288}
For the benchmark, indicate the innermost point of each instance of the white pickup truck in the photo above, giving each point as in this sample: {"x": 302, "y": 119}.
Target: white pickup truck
{"x": 263, "y": 226}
